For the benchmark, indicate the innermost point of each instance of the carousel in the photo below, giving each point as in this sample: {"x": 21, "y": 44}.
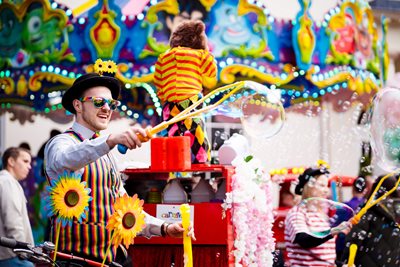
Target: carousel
{"x": 46, "y": 45}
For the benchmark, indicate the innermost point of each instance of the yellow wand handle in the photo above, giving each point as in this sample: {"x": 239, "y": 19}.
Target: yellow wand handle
{"x": 352, "y": 255}
{"x": 187, "y": 241}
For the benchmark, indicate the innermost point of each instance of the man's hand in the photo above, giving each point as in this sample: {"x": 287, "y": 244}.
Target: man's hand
{"x": 176, "y": 230}
{"x": 131, "y": 138}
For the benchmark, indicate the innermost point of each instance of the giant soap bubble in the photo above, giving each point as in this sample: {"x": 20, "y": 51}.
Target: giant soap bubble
{"x": 385, "y": 128}
{"x": 262, "y": 115}
{"x": 260, "y": 109}
{"x": 320, "y": 215}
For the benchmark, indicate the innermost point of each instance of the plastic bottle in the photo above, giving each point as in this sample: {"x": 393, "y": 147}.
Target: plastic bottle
{"x": 203, "y": 192}
{"x": 174, "y": 192}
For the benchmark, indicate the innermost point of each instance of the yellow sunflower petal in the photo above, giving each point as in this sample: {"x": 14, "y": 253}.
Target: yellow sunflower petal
{"x": 69, "y": 198}
{"x": 110, "y": 67}
{"x": 99, "y": 66}
{"x": 127, "y": 220}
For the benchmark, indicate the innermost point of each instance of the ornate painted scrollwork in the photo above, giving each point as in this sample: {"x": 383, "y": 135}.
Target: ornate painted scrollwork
{"x": 228, "y": 74}
{"x": 34, "y": 83}
{"x": 105, "y": 33}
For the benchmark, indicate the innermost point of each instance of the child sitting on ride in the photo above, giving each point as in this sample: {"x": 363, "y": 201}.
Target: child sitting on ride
{"x": 180, "y": 74}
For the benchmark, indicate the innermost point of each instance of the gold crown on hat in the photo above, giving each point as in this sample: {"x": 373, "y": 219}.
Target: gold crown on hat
{"x": 107, "y": 68}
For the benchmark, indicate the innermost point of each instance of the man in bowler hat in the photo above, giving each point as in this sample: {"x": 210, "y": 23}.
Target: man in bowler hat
{"x": 92, "y": 99}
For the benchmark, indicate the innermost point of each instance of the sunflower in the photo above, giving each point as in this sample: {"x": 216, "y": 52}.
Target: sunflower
{"x": 68, "y": 198}
{"x": 109, "y": 67}
{"x": 127, "y": 220}
{"x": 99, "y": 66}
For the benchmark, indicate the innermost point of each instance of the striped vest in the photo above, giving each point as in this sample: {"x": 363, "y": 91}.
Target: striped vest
{"x": 91, "y": 237}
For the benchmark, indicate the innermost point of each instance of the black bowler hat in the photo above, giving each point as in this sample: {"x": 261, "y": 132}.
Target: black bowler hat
{"x": 86, "y": 82}
{"x": 307, "y": 175}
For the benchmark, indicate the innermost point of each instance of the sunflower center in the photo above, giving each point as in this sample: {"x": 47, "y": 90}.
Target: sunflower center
{"x": 71, "y": 198}
{"x": 129, "y": 220}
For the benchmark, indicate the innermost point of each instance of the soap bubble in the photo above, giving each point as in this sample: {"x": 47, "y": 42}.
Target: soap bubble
{"x": 322, "y": 215}
{"x": 385, "y": 128}
{"x": 263, "y": 115}
{"x": 263, "y": 112}
{"x": 259, "y": 108}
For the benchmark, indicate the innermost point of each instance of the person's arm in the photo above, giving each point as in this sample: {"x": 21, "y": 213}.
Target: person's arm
{"x": 158, "y": 78}
{"x": 209, "y": 70}
{"x": 11, "y": 210}
{"x": 153, "y": 226}
{"x": 308, "y": 241}
{"x": 63, "y": 153}
{"x": 157, "y": 227}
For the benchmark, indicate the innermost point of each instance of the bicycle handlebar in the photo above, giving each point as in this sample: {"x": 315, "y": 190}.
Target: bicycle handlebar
{"x": 27, "y": 251}
{"x": 43, "y": 253}
{"x": 14, "y": 244}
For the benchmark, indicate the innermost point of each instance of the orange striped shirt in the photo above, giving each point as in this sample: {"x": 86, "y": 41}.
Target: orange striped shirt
{"x": 181, "y": 72}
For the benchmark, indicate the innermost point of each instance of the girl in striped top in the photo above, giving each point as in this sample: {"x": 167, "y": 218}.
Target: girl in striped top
{"x": 180, "y": 74}
{"x": 303, "y": 248}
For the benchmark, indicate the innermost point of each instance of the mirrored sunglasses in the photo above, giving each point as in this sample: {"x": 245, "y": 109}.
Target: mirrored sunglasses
{"x": 99, "y": 102}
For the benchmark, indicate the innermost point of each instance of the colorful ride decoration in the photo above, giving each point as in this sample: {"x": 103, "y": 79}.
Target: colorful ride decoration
{"x": 44, "y": 46}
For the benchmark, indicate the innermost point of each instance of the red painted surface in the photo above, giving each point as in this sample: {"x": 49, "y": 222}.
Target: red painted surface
{"x": 212, "y": 231}
{"x": 210, "y": 228}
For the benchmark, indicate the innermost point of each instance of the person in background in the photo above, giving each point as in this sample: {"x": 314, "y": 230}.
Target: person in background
{"x": 180, "y": 74}
{"x": 370, "y": 182}
{"x": 40, "y": 153}
{"x": 26, "y": 146}
{"x": 377, "y": 234}
{"x": 286, "y": 198}
{"x": 82, "y": 150}
{"x": 14, "y": 221}
{"x": 303, "y": 248}
{"x": 359, "y": 189}
{"x": 28, "y": 184}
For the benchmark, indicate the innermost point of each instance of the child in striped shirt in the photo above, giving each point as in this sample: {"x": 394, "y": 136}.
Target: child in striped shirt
{"x": 180, "y": 74}
{"x": 303, "y": 247}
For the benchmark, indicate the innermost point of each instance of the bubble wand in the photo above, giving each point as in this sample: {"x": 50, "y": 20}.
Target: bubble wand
{"x": 371, "y": 202}
{"x": 188, "y": 112}
{"x": 187, "y": 242}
